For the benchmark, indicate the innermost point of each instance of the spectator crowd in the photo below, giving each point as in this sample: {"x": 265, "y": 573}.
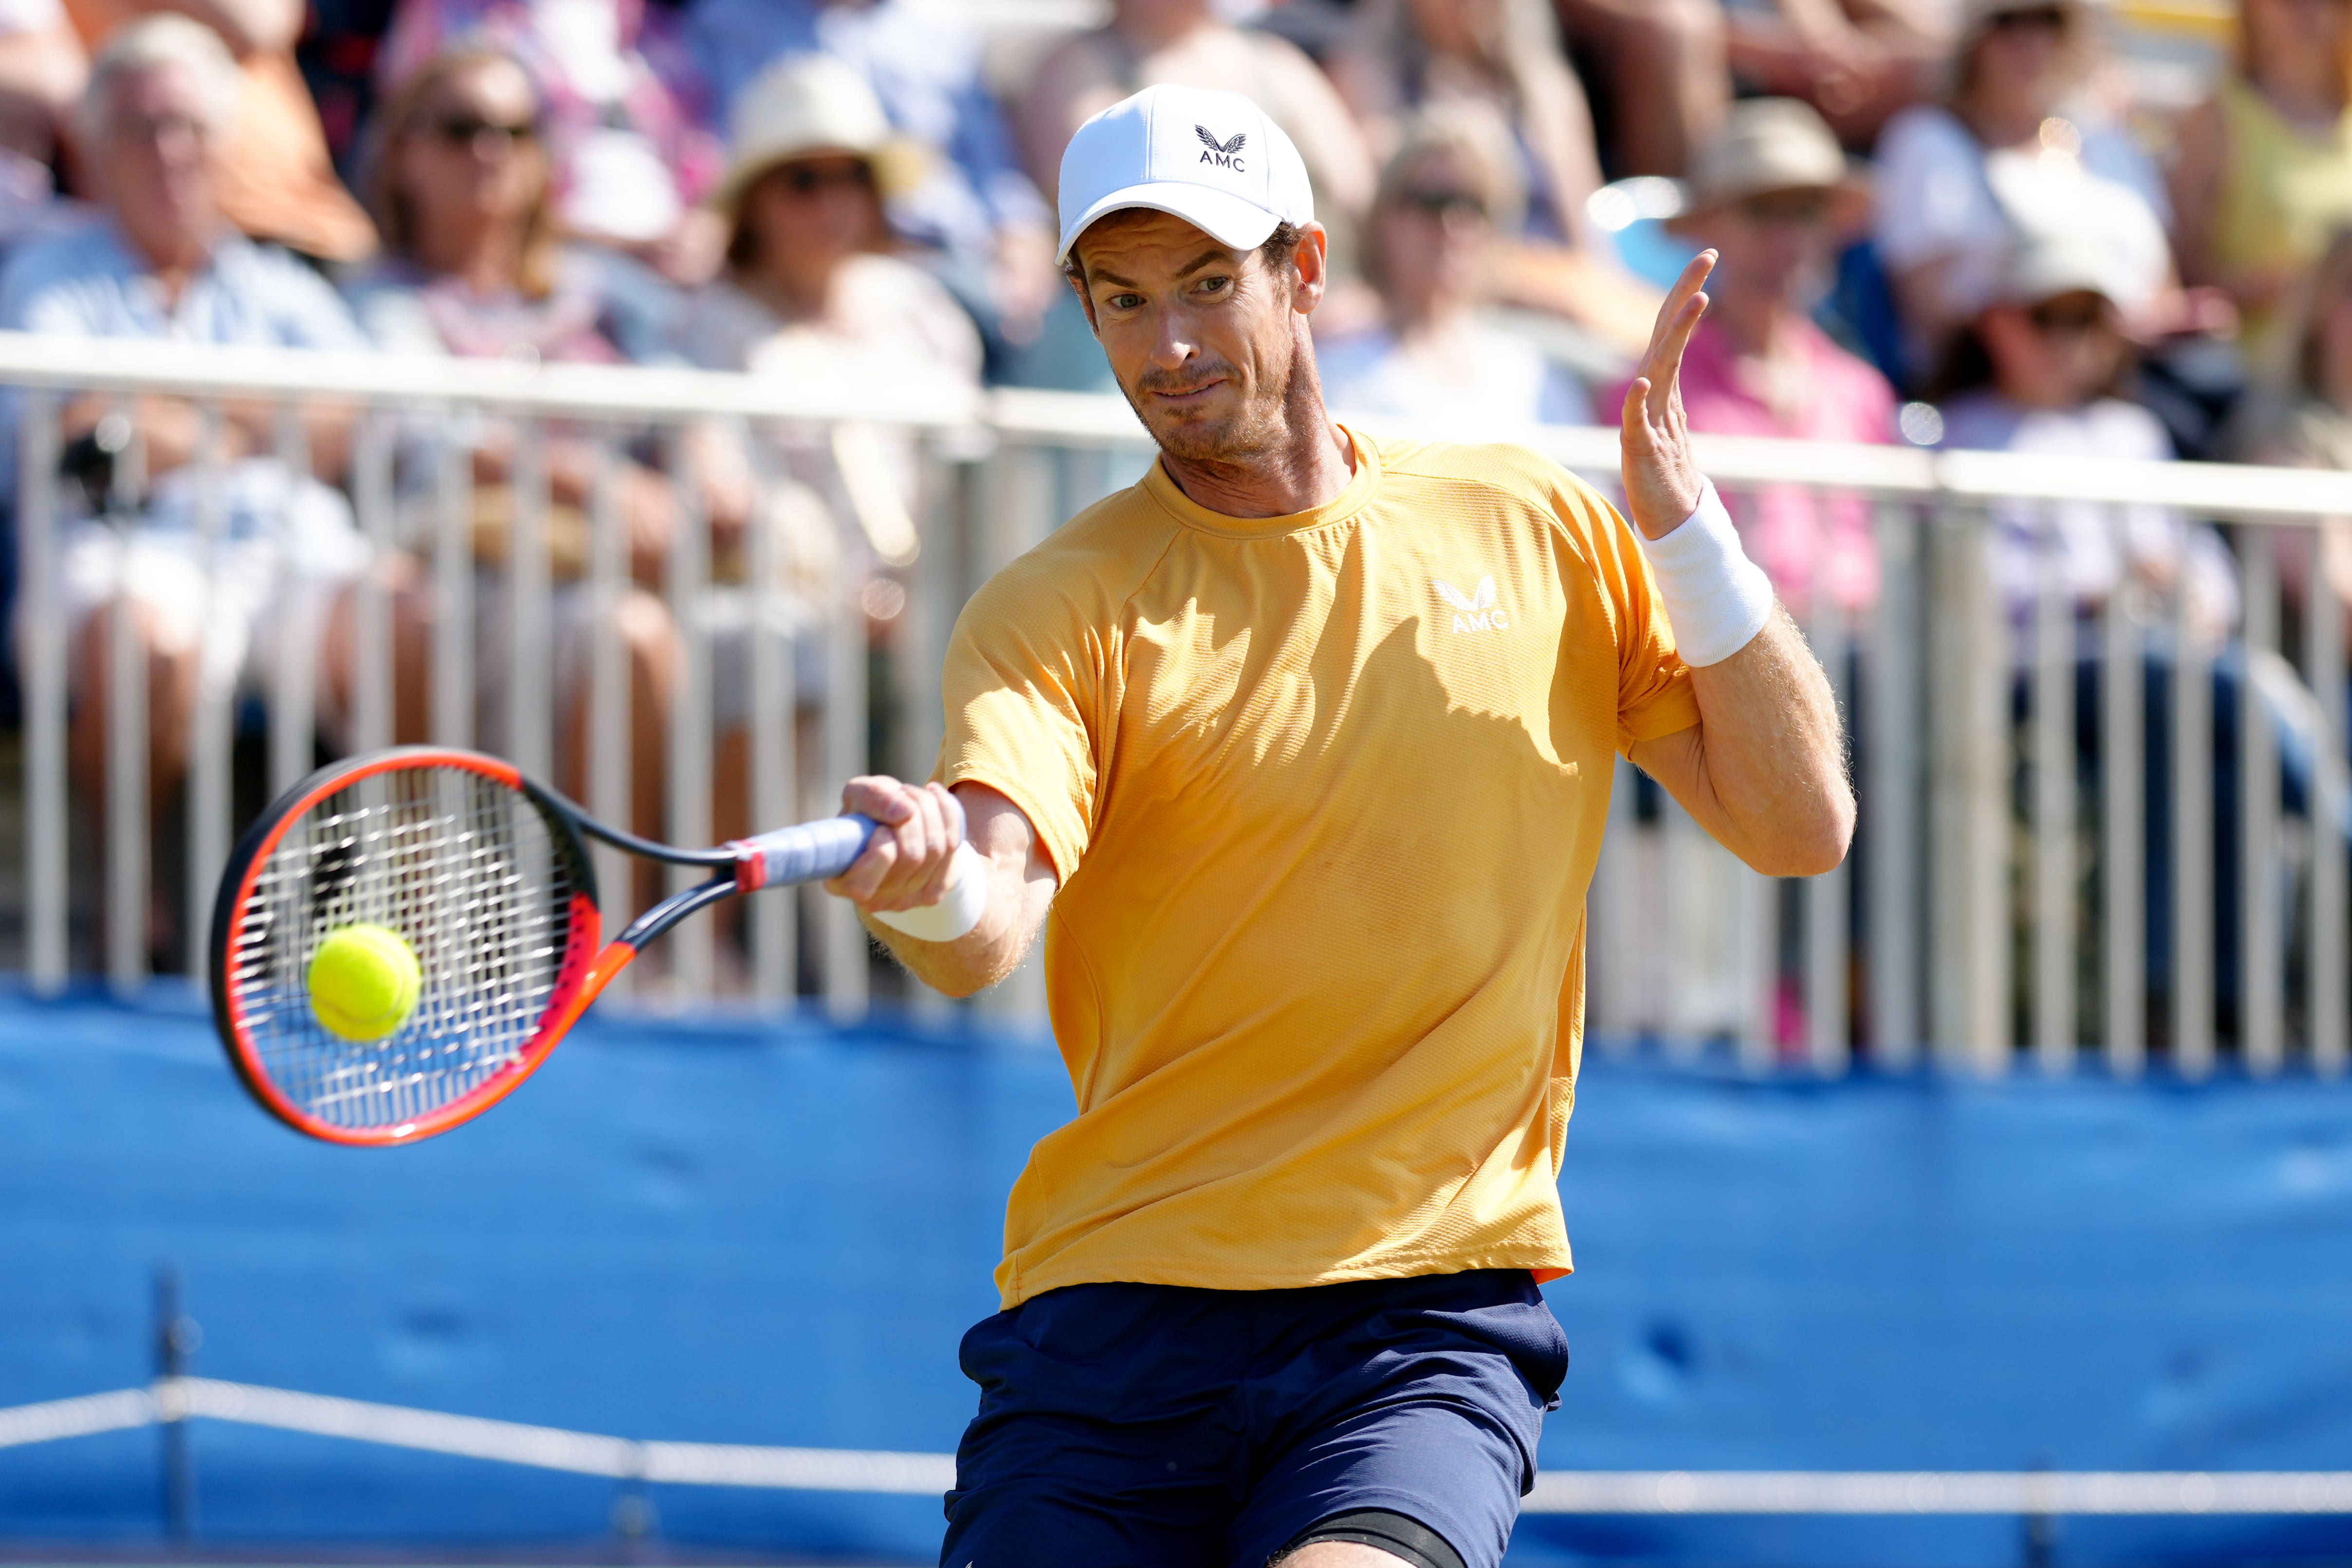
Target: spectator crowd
{"x": 1955, "y": 220}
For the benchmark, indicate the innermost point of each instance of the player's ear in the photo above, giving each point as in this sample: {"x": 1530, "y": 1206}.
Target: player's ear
{"x": 1310, "y": 268}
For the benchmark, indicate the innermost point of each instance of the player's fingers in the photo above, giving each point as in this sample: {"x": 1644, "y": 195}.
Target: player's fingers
{"x": 1694, "y": 278}
{"x": 1662, "y": 367}
{"x": 866, "y": 872}
{"x": 923, "y": 845}
{"x": 1670, "y": 352}
{"x": 934, "y": 884}
{"x": 1636, "y": 416}
{"x": 883, "y": 798}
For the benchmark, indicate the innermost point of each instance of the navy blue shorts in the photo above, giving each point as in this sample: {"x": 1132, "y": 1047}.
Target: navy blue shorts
{"x": 1159, "y": 1427}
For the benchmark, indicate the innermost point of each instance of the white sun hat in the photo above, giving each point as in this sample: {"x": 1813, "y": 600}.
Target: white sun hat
{"x": 1210, "y": 157}
{"x": 808, "y": 105}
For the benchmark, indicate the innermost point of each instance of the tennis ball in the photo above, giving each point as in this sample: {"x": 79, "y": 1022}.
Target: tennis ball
{"x": 363, "y": 981}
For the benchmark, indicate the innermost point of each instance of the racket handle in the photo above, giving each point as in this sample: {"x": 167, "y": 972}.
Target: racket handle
{"x": 813, "y": 851}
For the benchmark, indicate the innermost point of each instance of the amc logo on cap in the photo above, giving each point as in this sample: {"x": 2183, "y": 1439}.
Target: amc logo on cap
{"x": 1224, "y": 154}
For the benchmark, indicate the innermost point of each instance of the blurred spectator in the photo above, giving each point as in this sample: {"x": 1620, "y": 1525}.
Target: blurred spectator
{"x": 1772, "y": 193}
{"x": 337, "y": 53}
{"x": 1149, "y": 42}
{"x": 1958, "y": 181}
{"x": 975, "y": 208}
{"x": 1856, "y": 61}
{"x": 623, "y": 116}
{"x": 474, "y": 266}
{"x": 2263, "y": 175}
{"x": 810, "y": 292}
{"x": 810, "y": 299}
{"x": 1658, "y": 72}
{"x": 1504, "y": 55}
{"x": 276, "y": 181}
{"x": 2303, "y": 418}
{"x": 42, "y": 69}
{"x": 2037, "y": 372}
{"x": 1431, "y": 360}
{"x": 165, "y": 262}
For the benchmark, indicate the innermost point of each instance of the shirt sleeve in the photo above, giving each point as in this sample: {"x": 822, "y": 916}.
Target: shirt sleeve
{"x": 309, "y": 313}
{"x": 1653, "y": 685}
{"x": 1022, "y": 686}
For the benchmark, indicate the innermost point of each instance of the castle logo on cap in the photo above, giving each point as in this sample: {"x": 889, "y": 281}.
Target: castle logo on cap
{"x": 1224, "y": 154}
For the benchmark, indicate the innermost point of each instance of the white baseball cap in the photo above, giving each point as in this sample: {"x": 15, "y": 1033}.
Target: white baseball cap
{"x": 1210, "y": 157}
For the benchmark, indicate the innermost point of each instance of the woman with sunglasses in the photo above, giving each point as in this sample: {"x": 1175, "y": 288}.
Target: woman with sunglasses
{"x": 1503, "y": 58}
{"x": 811, "y": 288}
{"x": 620, "y": 109}
{"x": 812, "y": 296}
{"x": 1771, "y": 191}
{"x": 2264, "y": 177}
{"x": 2039, "y": 370}
{"x": 1431, "y": 359}
{"x": 2008, "y": 151}
{"x": 460, "y": 181}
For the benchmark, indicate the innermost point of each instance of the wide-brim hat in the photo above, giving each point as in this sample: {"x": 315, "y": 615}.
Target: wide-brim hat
{"x": 809, "y": 106}
{"x": 1769, "y": 144}
{"x": 2050, "y": 260}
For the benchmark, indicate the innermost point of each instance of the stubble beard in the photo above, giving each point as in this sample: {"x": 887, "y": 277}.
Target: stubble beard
{"x": 1256, "y": 427}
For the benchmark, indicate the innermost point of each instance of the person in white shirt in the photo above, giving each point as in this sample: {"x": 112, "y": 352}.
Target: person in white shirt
{"x": 2038, "y": 371}
{"x": 1431, "y": 359}
{"x": 2007, "y": 152}
{"x": 813, "y": 296}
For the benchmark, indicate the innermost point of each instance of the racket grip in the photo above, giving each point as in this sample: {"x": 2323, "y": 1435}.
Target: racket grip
{"x": 813, "y": 851}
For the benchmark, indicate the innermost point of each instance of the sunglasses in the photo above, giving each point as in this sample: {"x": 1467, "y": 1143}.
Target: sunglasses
{"x": 1807, "y": 207}
{"x": 2053, "y": 319}
{"x": 463, "y": 130}
{"x": 2042, "y": 18}
{"x": 808, "y": 179}
{"x": 1438, "y": 204}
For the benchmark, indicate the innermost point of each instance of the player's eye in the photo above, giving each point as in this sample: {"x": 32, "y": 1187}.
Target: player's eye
{"x": 1215, "y": 285}
{"x": 1126, "y": 301}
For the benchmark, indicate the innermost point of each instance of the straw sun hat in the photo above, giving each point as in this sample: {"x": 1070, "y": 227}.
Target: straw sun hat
{"x": 810, "y": 106}
{"x": 1769, "y": 144}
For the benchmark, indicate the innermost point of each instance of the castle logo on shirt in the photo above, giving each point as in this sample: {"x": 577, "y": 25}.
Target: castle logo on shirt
{"x": 1473, "y": 612}
{"x": 1224, "y": 154}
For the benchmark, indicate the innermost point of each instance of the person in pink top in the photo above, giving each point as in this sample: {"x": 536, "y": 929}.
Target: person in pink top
{"x": 1770, "y": 191}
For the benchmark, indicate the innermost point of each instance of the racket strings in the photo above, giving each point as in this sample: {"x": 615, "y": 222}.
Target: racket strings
{"x": 468, "y": 872}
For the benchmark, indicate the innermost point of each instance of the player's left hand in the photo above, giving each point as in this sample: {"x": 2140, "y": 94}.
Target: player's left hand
{"x": 1663, "y": 483}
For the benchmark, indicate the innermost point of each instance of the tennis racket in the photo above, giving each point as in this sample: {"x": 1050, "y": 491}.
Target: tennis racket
{"x": 484, "y": 874}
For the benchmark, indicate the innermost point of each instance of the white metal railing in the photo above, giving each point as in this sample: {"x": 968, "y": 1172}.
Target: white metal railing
{"x": 1997, "y": 743}
{"x": 2031, "y": 1493}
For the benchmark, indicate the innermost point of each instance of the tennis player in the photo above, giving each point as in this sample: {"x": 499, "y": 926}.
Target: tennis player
{"x": 1299, "y": 752}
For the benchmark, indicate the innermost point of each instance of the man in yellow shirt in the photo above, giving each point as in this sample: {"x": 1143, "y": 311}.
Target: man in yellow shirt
{"x": 1299, "y": 752}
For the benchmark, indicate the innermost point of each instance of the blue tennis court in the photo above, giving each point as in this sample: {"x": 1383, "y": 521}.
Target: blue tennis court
{"x": 769, "y": 1235}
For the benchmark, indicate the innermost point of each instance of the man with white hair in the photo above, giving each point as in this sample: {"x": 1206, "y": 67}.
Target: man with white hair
{"x": 1300, "y": 751}
{"x": 161, "y": 262}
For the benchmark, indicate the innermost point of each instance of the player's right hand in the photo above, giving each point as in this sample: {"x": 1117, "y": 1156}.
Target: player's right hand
{"x": 906, "y": 865}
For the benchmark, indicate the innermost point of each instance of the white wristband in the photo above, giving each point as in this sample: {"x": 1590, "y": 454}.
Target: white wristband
{"x": 957, "y": 912}
{"x": 1716, "y": 599}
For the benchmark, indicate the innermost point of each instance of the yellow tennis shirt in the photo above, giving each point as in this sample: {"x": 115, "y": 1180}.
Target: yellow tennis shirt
{"x": 1325, "y": 792}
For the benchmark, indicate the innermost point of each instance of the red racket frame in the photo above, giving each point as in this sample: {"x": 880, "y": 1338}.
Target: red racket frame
{"x": 584, "y": 969}
{"x": 582, "y": 972}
